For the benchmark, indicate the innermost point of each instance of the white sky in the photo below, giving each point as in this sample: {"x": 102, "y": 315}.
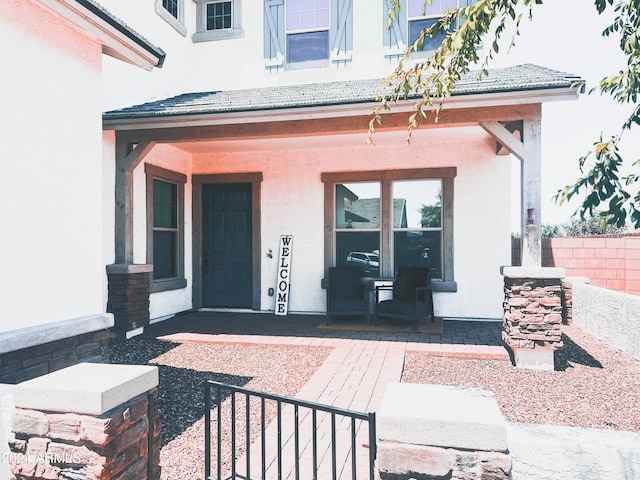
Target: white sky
{"x": 566, "y": 35}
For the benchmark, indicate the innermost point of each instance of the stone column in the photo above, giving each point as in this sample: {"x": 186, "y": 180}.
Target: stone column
{"x": 533, "y": 314}
{"x": 89, "y": 421}
{"x": 129, "y": 290}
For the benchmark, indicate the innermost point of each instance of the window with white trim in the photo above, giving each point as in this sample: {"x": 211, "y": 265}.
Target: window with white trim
{"x": 172, "y": 11}
{"x": 383, "y": 220}
{"x": 413, "y": 17}
{"x": 218, "y": 20}
{"x": 165, "y": 232}
{"x": 307, "y": 33}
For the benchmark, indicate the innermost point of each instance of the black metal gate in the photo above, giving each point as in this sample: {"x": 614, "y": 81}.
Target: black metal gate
{"x": 306, "y": 433}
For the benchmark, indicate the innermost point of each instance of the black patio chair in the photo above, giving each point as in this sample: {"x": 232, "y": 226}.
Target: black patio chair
{"x": 412, "y": 296}
{"x": 345, "y": 293}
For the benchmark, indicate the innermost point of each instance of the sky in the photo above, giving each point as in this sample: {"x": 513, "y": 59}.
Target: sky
{"x": 566, "y": 35}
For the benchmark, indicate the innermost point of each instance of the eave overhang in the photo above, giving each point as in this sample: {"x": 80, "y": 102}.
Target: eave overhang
{"x": 117, "y": 39}
{"x": 480, "y": 102}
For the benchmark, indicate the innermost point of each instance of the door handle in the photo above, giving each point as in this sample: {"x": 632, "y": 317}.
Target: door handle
{"x": 205, "y": 263}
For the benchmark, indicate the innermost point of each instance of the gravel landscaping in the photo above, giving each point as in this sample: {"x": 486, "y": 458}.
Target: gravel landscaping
{"x": 184, "y": 369}
{"x": 593, "y": 386}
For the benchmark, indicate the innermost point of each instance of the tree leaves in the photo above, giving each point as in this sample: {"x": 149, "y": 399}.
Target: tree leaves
{"x": 432, "y": 80}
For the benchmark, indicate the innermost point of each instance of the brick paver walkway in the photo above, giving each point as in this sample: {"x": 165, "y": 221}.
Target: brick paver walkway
{"x": 354, "y": 376}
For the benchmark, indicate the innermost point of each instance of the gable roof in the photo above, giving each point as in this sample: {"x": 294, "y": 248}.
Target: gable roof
{"x": 118, "y": 40}
{"x": 521, "y": 78}
{"x": 99, "y": 11}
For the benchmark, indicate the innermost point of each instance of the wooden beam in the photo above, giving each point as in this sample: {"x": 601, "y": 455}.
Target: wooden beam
{"x": 505, "y": 137}
{"x": 128, "y": 156}
{"x": 531, "y": 195}
{"x": 324, "y": 126}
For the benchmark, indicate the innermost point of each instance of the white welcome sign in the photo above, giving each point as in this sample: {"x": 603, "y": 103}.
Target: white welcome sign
{"x": 284, "y": 269}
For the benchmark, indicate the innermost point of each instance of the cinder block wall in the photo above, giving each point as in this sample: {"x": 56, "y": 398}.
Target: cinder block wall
{"x": 608, "y": 315}
{"x": 609, "y": 261}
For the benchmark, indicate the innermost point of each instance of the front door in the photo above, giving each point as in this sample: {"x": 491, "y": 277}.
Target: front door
{"x": 226, "y": 245}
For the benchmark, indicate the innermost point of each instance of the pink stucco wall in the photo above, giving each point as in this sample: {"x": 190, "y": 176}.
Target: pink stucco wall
{"x": 609, "y": 262}
{"x": 292, "y": 202}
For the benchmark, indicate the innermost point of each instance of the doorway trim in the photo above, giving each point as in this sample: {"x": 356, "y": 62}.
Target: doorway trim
{"x": 255, "y": 179}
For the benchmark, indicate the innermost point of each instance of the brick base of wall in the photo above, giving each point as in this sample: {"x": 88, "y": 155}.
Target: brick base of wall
{"x": 32, "y": 362}
{"x": 129, "y": 290}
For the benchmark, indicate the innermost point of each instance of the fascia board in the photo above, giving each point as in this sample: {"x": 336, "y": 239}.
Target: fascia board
{"x": 114, "y": 42}
{"x": 332, "y": 111}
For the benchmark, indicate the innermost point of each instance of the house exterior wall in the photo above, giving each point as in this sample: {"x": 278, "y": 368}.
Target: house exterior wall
{"x": 232, "y": 63}
{"x": 50, "y": 200}
{"x": 293, "y": 203}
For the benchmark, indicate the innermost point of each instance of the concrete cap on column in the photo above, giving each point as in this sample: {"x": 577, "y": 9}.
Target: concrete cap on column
{"x": 533, "y": 272}
{"x": 442, "y": 416}
{"x": 86, "y": 388}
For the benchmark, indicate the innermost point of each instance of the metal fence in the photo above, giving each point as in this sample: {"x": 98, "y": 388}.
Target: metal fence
{"x": 264, "y": 436}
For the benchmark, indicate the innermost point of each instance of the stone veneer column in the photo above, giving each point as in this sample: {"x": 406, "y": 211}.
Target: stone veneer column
{"x": 89, "y": 421}
{"x": 533, "y": 314}
{"x": 129, "y": 296}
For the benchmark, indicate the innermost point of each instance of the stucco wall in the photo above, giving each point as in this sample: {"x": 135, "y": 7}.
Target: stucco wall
{"x": 608, "y": 315}
{"x": 234, "y": 63}
{"x": 293, "y": 203}
{"x": 50, "y": 200}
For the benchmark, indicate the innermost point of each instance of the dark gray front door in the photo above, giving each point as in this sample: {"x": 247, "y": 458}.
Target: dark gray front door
{"x": 226, "y": 245}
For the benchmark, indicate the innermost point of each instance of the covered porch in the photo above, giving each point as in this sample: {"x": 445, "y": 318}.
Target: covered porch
{"x": 286, "y": 152}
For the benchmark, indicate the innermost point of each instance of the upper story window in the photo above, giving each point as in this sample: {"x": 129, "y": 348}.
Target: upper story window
{"x": 413, "y": 17}
{"x": 307, "y": 33}
{"x": 172, "y": 11}
{"x": 218, "y": 20}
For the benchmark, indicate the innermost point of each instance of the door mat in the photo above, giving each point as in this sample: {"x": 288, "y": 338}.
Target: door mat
{"x": 425, "y": 326}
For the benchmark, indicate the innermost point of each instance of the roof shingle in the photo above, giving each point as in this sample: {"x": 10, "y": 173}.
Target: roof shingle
{"x": 517, "y": 78}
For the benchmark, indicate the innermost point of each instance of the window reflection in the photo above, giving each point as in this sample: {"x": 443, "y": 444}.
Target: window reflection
{"x": 358, "y": 224}
{"x": 417, "y": 204}
{"x": 417, "y": 224}
{"x": 358, "y": 205}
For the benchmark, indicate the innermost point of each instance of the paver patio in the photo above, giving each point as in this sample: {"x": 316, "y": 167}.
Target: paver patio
{"x": 354, "y": 376}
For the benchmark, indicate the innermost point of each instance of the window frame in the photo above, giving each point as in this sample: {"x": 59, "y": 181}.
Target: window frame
{"x": 322, "y": 63}
{"x": 386, "y": 177}
{"x": 395, "y": 51}
{"x": 176, "y": 23}
{"x": 204, "y": 35}
{"x": 154, "y": 172}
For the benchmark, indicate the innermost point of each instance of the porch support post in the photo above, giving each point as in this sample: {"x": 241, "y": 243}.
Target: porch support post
{"x": 128, "y": 156}
{"x": 529, "y": 152}
{"x": 531, "y": 195}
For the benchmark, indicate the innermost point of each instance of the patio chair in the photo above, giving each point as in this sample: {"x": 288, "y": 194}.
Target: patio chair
{"x": 345, "y": 293}
{"x": 412, "y": 296}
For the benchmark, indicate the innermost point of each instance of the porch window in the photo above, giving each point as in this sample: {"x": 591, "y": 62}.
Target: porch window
{"x": 165, "y": 242}
{"x": 382, "y": 220}
{"x": 172, "y": 12}
{"x": 218, "y": 20}
{"x": 357, "y": 233}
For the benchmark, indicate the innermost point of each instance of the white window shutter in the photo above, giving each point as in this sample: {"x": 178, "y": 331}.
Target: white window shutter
{"x": 395, "y": 38}
{"x": 274, "y": 34}
{"x": 341, "y": 36}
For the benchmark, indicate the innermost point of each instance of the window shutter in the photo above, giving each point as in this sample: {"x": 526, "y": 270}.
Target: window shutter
{"x": 274, "y": 34}
{"x": 341, "y": 36}
{"x": 395, "y": 37}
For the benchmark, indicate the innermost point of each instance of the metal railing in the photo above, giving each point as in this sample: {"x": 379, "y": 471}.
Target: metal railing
{"x": 306, "y": 419}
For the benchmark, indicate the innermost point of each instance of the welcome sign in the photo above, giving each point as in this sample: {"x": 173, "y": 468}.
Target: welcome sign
{"x": 284, "y": 268}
